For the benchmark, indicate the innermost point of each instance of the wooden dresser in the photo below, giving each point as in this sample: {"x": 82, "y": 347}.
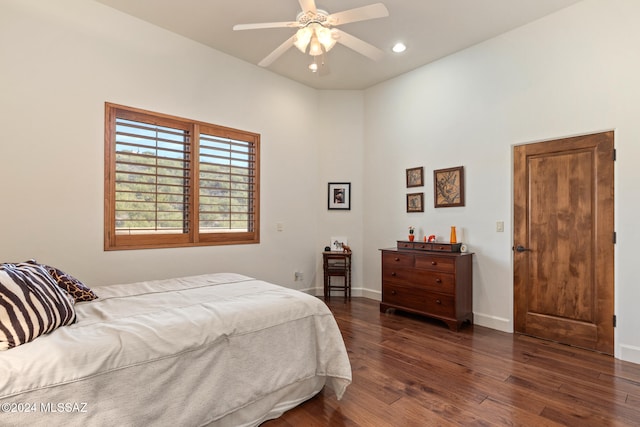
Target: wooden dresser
{"x": 430, "y": 280}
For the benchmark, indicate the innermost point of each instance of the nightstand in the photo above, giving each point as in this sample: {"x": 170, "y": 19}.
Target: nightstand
{"x": 337, "y": 264}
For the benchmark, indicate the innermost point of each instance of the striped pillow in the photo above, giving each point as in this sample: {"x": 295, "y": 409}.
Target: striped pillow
{"x": 31, "y": 304}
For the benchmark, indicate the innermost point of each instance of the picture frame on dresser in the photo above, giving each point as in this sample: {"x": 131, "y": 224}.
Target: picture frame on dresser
{"x": 448, "y": 187}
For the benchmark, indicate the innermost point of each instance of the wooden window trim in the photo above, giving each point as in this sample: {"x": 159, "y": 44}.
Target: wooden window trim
{"x": 114, "y": 241}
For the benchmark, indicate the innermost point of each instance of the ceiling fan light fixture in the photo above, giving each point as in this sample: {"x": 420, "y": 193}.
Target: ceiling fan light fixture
{"x": 302, "y": 39}
{"x": 315, "y": 31}
{"x": 315, "y": 48}
{"x": 325, "y": 37}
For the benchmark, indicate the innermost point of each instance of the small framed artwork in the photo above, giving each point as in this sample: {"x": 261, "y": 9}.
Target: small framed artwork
{"x": 339, "y": 196}
{"x": 415, "y": 177}
{"x": 337, "y": 242}
{"x": 448, "y": 187}
{"x": 415, "y": 202}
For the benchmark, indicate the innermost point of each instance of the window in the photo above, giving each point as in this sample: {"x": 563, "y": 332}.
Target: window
{"x": 173, "y": 182}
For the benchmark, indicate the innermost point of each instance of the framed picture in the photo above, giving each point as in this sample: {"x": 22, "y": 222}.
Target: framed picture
{"x": 415, "y": 202}
{"x": 337, "y": 242}
{"x": 339, "y": 196}
{"x": 448, "y": 187}
{"x": 415, "y": 177}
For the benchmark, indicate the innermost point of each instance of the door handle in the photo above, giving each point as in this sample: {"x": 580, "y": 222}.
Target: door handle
{"x": 521, "y": 248}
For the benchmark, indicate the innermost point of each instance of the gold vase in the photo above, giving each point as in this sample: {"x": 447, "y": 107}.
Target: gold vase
{"x": 453, "y": 238}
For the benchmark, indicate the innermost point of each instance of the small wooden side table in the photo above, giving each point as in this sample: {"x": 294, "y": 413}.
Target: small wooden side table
{"x": 337, "y": 264}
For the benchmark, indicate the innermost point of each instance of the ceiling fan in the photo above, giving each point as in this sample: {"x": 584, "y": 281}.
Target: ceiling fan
{"x": 317, "y": 32}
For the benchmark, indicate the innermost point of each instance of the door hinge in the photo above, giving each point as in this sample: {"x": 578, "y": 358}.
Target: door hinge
{"x": 615, "y": 238}
{"x": 615, "y": 321}
{"x": 614, "y": 154}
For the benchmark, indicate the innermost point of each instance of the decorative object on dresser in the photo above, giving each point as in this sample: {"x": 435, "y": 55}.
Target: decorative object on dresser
{"x": 430, "y": 279}
{"x": 415, "y": 177}
{"x": 337, "y": 243}
{"x": 411, "y": 231}
{"x": 337, "y": 264}
{"x": 415, "y": 202}
{"x": 448, "y": 187}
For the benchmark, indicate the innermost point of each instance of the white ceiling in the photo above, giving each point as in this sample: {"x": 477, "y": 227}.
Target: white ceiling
{"x": 431, "y": 29}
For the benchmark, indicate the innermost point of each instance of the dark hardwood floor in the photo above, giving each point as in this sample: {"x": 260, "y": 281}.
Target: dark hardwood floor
{"x": 412, "y": 371}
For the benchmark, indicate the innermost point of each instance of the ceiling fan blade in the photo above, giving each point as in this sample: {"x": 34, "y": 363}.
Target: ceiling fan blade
{"x": 262, "y": 25}
{"x": 373, "y": 11}
{"x": 277, "y": 52}
{"x": 308, "y": 6}
{"x": 360, "y": 46}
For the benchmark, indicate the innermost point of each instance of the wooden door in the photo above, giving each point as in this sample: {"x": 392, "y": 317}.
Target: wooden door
{"x": 564, "y": 241}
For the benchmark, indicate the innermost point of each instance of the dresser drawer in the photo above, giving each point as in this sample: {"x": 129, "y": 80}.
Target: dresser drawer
{"x": 446, "y": 247}
{"x": 418, "y": 299}
{"x": 422, "y": 246}
{"x": 405, "y": 245}
{"x": 440, "y": 282}
{"x": 398, "y": 274}
{"x": 429, "y": 280}
{"x": 394, "y": 260}
{"x": 435, "y": 263}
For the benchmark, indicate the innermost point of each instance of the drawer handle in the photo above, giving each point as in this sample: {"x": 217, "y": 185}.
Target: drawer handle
{"x": 393, "y": 292}
{"x": 441, "y": 248}
{"x": 434, "y": 263}
{"x": 393, "y": 273}
{"x": 438, "y": 280}
{"x": 397, "y": 259}
{"x": 438, "y": 301}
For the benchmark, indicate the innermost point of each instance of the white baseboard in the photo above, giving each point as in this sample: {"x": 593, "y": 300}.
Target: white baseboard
{"x": 630, "y": 353}
{"x": 368, "y": 293}
{"x": 493, "y": 322}
{"x": 355, "y": 292}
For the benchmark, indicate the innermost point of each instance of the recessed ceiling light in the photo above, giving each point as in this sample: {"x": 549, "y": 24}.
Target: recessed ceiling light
{"x": 399, "y": 47}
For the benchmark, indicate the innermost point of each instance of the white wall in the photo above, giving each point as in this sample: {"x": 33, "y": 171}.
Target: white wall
{"x": 570, "y": 73}
{"x": 573, "y": 72}
{"x": 340, "y": 160}
{"x": 60, "y": 61}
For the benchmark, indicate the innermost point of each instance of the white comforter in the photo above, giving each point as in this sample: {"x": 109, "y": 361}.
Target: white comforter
{"x": 188, "y": 351}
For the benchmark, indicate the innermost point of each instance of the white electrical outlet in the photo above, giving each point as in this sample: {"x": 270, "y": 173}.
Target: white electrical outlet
{"x": 279, "y": 226}
{"x": 298, "y": 276}
{"x": 500, "y": 226}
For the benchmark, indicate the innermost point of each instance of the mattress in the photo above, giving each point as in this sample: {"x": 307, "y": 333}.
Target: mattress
{"x": 218, "y": 349}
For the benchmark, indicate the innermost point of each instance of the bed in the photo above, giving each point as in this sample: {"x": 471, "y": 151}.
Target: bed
{"x": 217, "y": 349}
